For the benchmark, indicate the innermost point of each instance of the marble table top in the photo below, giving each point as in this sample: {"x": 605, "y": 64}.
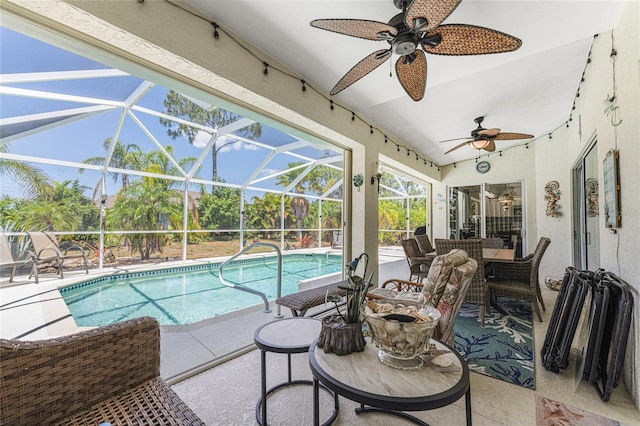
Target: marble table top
{"x": 361, "y": 377}
{"x": 289, "y": 335}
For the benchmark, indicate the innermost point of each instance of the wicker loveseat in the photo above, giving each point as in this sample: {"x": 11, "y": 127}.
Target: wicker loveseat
{"x": 107, "y": 374}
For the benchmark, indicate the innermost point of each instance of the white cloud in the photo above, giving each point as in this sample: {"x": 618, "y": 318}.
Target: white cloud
{"x": 201, "y": 139}
{"x": 267, "y": 172}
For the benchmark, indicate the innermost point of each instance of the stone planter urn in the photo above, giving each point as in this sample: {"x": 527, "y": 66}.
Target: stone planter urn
{"x": 340, "y": 337}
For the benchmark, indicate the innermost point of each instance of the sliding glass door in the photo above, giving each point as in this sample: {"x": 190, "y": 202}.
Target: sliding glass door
{"x": 586, "y": 246}
{"x": 488, "y": 210}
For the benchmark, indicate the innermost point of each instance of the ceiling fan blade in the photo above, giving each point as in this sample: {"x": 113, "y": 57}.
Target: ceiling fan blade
{"x": 454, "y": 139}
{"x": 412, "y": 74}
{"x": 489, "y": 132}
{"x": 491, "y": 146}
{"x": 434, "y": 12}
{"x": 361, "y": 69}
{"x": 461, "y": 39}
{"x": 506, "y": 136}
{"x": 361, "y": 28}
{"x": 459, "y": 146}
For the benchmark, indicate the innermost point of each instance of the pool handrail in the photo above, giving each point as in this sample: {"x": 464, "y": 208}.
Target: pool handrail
{"x": 250, "y": 290}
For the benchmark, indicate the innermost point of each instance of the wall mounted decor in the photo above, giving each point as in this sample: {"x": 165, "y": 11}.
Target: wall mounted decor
{"x": 591, "y": 193}
{"x": 357, "y": 181}
{"x": 611, "y": 182}
{"x": 552, "y": 195}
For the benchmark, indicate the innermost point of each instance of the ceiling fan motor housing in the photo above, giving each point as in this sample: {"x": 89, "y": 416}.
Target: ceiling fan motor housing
{"x": 405, "y": 44}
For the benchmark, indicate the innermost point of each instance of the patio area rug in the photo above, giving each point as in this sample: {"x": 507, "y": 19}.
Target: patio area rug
{"x": 504, "y": 348}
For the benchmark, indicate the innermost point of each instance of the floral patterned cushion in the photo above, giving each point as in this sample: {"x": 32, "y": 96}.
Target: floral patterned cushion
{"x": 439, "y": 273}
{"x": 446, "y": 286}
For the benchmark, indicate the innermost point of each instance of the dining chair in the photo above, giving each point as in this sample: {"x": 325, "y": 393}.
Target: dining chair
{"x": 477, "y": 289}
{"x": 492, "y": 242}
{"x": 418, "y": 263}
{"x": 520, "y": 279}
{"x": 47, "y": 250}
{"x": 424, "y": 244}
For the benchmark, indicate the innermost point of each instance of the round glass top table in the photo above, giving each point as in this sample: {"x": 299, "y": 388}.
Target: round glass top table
{"x": 361, "y": 377}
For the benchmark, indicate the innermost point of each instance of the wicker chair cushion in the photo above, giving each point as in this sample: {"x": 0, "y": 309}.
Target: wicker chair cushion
{"x": 453, "y": 295}
{"x": 439, "y": 274}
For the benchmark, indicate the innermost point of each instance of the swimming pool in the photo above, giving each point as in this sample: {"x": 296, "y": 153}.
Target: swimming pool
{"x": 189, "y": 294}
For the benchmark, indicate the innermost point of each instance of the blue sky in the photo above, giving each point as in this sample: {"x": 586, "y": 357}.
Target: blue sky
{"x": 84, "y": 139}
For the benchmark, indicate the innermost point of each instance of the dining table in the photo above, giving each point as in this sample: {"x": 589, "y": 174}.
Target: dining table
{"x": 502, "y": 255}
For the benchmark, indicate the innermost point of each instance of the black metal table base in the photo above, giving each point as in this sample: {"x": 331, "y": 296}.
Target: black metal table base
{"x": 293, "y": 383}
{"x": 365, "y": 409}
{"x": 261, "y": 409}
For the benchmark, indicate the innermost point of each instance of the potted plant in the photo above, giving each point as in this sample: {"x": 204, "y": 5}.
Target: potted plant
{"x": 341, "y": 333}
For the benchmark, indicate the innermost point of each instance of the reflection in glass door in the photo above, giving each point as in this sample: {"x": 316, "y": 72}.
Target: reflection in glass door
{"x": 586, "y": 221}
{"x": 504, "y": 209}
{"x": 488, "y": 210}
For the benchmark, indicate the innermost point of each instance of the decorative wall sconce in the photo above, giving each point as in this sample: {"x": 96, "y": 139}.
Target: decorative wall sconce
{"x": 358, "y": 181}
{"x": 376, "y": 177}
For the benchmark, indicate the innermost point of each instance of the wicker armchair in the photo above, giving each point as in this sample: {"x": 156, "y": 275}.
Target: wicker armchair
{"x": 107, "y": 374}
{"x": 520, "y": 279}
{"x": 445, "y": 289}
{"x": 424, "y": 244}
{"x": 418, "y": 262}
{"x": 477, "y": 288}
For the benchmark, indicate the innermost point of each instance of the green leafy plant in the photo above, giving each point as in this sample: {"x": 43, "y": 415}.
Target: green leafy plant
{"x": 356, "y": 292}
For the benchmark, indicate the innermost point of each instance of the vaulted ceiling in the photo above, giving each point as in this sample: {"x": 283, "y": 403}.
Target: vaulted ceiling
{"x": 530, "y": 90}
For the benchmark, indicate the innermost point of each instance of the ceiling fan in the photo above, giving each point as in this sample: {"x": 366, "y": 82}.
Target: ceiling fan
{"x": 482, "y": 138}
{"x": 418, "y": 25}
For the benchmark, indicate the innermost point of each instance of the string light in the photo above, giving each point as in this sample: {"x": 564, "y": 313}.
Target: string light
{"x": 266, "y": 71}
{"x": 385, "y": 139}
{"x": 216, "y": 35}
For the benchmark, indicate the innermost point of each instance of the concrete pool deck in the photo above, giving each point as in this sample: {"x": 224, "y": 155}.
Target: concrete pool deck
{"x": 30, "y": 311}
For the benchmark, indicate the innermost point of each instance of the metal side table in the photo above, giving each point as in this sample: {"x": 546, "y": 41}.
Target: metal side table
{"x": 286, "y": 336}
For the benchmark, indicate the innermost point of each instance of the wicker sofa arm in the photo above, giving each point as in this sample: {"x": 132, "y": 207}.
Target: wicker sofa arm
{"x": 43, "y": 382}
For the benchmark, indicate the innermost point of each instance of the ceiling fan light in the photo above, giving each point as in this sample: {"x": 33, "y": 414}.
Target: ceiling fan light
{"x": 481, "y": 144}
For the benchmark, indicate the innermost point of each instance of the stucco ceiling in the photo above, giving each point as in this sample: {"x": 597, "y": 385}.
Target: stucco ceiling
{"x": 529, "y": 91}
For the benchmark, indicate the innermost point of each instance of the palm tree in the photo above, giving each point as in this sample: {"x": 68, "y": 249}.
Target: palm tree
{"x": 300, "y": 209}
{"x": 32, "y": 180}
{"x": 123, "y": 157}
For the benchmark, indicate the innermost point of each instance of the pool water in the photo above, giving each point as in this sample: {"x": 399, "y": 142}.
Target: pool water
{"x": 188, "y": 295}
